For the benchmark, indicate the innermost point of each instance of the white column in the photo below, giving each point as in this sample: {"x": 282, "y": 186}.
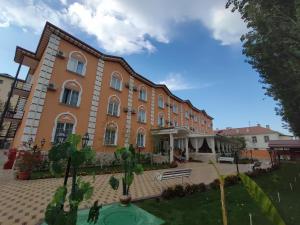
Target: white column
{"x": 197, "y": 144}
{"x": 171, "y": 148}
{"x": 213, "y": 145}
{"x": 187, "y": 148}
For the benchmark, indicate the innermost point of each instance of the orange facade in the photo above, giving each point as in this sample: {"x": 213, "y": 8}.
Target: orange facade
{"x": 103, "y": 97}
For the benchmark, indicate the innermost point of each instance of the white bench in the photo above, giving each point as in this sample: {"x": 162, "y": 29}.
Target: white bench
{"x": 226, "y": 159}
{"x": 173, "y": 174}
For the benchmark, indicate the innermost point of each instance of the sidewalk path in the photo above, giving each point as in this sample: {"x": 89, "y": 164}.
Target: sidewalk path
{"x": 24, "y": 202}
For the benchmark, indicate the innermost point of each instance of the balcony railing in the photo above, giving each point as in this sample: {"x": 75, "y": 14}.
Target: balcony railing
{"x": 22, "y": 89}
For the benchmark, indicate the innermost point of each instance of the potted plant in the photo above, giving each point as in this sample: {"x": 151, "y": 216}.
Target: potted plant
{"x": 128, "y": 159}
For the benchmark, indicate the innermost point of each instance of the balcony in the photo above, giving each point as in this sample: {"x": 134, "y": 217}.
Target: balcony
{"x": 22, "y": 88}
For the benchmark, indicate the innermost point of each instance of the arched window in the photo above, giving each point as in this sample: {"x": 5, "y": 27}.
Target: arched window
{"x": 161, "y": 101}
{"x": 77, "y": 62}
{"x": 113, "y": 108}
{"x": 111, "y": 134}
{"x": 161, "y": 120}
{"x": 141, "y": 138}
{"x": 141, "y": 115}
{"x": 143, "y": 93}
{"x": 116, "y": 81}
{"x": 71, "y": 93}
{"x": 64, "y": 123}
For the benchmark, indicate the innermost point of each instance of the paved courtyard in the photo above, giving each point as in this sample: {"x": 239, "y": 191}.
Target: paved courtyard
{"x": 24, "y": 202}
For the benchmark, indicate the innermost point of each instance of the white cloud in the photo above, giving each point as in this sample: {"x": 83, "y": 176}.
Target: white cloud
{"x": 125, "y": 26}
{"x": 175, "y": 82}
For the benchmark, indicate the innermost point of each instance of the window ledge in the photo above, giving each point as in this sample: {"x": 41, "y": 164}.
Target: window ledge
{"x": 143, "y": 100}
{"x": 78, "y": 74}
{"x": 112, "y": 115}
{"x": 142, "y": 122}
{"x": 118, "y": 90}
{"x": 160, "y": 107}
{"x": 71, "y": 106}
{"x": 110, "y": 145}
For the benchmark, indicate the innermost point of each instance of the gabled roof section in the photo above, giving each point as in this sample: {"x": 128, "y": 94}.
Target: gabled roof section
{"x": 50, "y": 28}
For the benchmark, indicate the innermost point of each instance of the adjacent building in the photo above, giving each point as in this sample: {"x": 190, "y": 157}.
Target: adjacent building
{"x": 256, "y": 137}
{"x": 74, "y": 88}
{"x": 9, "y": 127}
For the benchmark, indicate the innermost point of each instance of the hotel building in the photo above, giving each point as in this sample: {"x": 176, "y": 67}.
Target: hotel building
{"x": 77, "y": 89}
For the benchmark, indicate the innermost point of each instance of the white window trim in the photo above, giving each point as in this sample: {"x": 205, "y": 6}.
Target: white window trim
{"x": 137, "y": 133}
{"x": 163, "y": 101}
{"x": 63, "y": 89}
{"x": 84, "y": 63}
{"x": 121, "y": 81}
{"x": 55, "y": 124}
{"x": 158, "y": 119}
{"x": 109, "y": 102}
{"x": 146, "y": 93}
{"x": 117, "y": 131}
{"x": 139, "y": 108}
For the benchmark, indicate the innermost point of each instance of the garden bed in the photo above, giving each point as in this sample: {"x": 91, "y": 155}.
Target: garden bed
{"x": 97, "y": 170}
{"x": 206, "y": 206}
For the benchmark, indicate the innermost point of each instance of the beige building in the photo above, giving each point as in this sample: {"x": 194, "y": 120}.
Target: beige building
{"x": 256, "y": 137}
{"x": 9, "y": 126}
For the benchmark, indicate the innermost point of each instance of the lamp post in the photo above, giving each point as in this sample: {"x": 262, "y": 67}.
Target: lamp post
{"x": 236, "y": 159}
{"x": 85, "y": 140}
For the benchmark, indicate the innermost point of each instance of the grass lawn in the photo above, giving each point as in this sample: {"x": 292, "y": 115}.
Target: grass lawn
{"x": 204, "y": 208}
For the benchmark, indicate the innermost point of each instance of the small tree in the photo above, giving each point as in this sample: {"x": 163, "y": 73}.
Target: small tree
{"x": 128, "y": 158}
{"x": 58, "y": 156}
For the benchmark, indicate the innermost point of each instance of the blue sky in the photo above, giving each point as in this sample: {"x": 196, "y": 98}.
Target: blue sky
{"x": 193, "y": 48}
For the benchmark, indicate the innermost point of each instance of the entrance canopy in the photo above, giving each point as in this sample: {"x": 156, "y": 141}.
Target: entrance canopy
{"x": 177, "y": 131}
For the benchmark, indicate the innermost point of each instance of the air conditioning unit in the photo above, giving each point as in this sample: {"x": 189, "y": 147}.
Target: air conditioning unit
{"x": 125, "y": 109}
{"x": 51, "y": 86}
{"x": 134, "y": 88}
{"x": 60, "y": 54}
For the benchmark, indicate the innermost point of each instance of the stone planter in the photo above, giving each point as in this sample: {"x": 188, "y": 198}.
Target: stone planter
{"x": 125, "y": 200}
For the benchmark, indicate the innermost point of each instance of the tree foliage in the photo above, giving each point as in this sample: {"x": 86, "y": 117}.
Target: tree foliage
{"x": 61, "y": 155}
{"x": 272, "y": 47}
{"x": 129, "y": 160}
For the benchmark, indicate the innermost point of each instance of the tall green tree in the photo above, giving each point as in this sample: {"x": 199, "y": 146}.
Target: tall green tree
{"x": 272, "y": 47}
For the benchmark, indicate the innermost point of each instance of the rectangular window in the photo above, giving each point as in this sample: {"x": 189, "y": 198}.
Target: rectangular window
{"x": 160, "y": 102}
{"x": 140, "y": 140}
{"x": 143, "y": 95}
{"x": 266, "y": 138}
{"x": 175, "y": 123}
{"x": 175, "y": 109}
{"x": 110, "y": 136}
{"x": 115, "y": 83}
{"x": 1, "y": 81}
{"x": 113, "y": 108}
{"x": 142, "y": 116}
{"x": 66, "y": 128}
{"x": 254, "y": 139}
{"x": 76, "y": 66}
{"x": 70, "y": 97}
{"x": 186, "y": 114}
{"x": 161, "y": 121}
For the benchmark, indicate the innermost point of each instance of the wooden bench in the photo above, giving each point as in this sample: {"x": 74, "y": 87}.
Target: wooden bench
{"x": 173, "y": 174}
{"x": 226, "y": 159}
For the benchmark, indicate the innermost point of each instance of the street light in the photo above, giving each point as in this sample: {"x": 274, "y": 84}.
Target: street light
{"x": 85, "y": 139}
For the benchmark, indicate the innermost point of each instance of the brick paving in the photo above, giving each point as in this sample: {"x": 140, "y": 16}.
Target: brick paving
{"x": 24, "y": 202}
